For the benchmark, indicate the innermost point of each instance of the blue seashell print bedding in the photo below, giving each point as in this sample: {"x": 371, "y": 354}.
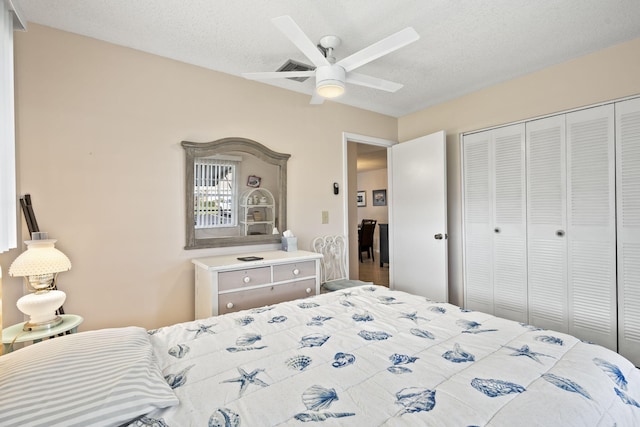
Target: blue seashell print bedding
{"x": 369, "y": 356}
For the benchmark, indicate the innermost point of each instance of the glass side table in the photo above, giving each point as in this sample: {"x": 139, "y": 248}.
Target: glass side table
{"x": 14, "y": 334}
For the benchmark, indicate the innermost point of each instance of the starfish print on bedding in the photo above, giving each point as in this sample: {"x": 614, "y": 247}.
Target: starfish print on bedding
{"x": 526, "y": 351}
{"x": 202, "y": 329}
{"x": 247, "y": 378}
{"x": 412, "y": 316}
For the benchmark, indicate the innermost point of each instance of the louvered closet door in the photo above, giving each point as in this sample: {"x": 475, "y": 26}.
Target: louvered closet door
{"x": 591, "y": 231}
{"x": 478, "y": 236}
{"x": 509, "y": 223}
{"x": 628, "y": 211}
{"x": 546, "y": 223}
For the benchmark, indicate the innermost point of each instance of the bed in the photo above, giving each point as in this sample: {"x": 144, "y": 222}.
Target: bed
{"x": 364, "y": 356}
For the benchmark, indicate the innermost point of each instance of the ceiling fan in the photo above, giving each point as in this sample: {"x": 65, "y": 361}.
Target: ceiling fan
{"x": 330, "y": 75}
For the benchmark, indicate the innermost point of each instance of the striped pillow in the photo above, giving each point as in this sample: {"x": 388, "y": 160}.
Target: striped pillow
{"x": 106, "y": 377}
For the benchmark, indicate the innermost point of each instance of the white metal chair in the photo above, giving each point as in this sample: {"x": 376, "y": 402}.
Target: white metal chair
{"x": 333, "y": 272}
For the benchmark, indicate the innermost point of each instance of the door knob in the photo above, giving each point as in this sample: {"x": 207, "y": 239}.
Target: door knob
{"x": 497, "y": 229}
{"x": 230, "y": 305}
{"x": 438, "y": 236}
{"x": 246, "y": 279}
{"x": 560, "y": 233}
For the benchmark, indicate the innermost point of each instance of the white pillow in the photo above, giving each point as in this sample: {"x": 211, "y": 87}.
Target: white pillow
{"x": 106, "y": 377}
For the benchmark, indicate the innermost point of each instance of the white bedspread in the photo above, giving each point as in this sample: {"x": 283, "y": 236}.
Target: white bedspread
{"x": 369, "y": 356}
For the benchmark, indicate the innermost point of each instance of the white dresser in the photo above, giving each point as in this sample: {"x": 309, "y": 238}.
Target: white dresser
{"x": 225, "y": 284}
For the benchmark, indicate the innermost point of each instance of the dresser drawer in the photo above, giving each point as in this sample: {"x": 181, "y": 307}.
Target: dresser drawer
{"x": 250, "y": 277}
{"x": 242, "y": 300}
{"x": 294, "y": 270}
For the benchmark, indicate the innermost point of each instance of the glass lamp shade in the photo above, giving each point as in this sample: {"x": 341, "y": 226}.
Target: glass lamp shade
{"x": 39, "y": 265}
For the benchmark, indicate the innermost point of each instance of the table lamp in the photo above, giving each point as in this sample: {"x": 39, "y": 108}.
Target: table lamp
{"x": 39, "y": 265}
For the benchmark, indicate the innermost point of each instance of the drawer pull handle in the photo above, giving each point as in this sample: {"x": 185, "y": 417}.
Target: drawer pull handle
{"x": 246, "y": 279}
{"x": 296, "y": 271}
{"x": 308, "y": 290}
{"x": 230, "y": 305}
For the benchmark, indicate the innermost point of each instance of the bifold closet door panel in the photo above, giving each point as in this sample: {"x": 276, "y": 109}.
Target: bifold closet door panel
{"x": 494, "y": 222}
{"x": 509, "y": 223}
{"x": 478, "y": 202}
{"x": 546, "y": 223}
{"x": 628, "y": 215}
{"x": 591, "y": 228}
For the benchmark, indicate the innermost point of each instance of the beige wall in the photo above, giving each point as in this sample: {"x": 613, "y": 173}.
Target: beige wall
{"x": 605, "y": 75}
{"x": 98, "y": 138}
{"x": 99, "y": 127}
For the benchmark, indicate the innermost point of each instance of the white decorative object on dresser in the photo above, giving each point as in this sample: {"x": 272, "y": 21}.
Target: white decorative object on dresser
{"x": 225, "y": 283}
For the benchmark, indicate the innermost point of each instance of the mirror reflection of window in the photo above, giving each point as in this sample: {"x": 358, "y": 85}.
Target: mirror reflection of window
{"x": 216, "y": 192}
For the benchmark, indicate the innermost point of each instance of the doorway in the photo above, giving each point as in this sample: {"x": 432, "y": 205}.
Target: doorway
{"x": 372, "y": 203}
{"x": 366, "y": 176}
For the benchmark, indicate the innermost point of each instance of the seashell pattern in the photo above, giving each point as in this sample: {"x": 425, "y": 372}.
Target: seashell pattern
{"x": 244, "y": 320}
{"x": 374, "y": 335}
{"x": 299, "y": 362}
{"x": 306, "y": 417}
{"x": 248, "y": 339}
{"x": 626, "y": 398}
{"x": 317, "y": 397}
{"x": 366, "y": 317}
{"x": 495, "y": 388}
{"x": 398, "y": 370}
{"x": 436, "y": 309}
{"x": 531, "y": 327}
{"x": 153, "y": 331}
{"x": 318, "y": 320}
{"x": 179, "y": 351}
{"x": 145, "y": 421}
{"x": 612, "y": 371}
{"x": 549, "y": 340}
{"x": 258, "y": 310}
{"x": 422, "y": 333}
{"x": 388, "y": 300}
{"x": 402, "y": 359}
{"x": 245, "y": 348}
{"x": 247, "y": 378}
{"x": 340, "y": 360}
{"x": 223, "y": 417}
{"x": 458, "y": 355}
{"x": 314, "y": 340}
{"x": 527, "y": 352}
{"x": 416, "y": 399}
{"x": 566, "y": 384}
{"x": 308, "y": 305}
{"x": 277, "y": 319}
{"x": 179, "y": 379}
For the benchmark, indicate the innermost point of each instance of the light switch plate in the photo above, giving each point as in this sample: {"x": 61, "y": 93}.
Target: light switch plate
{"x": 325, "y": 217}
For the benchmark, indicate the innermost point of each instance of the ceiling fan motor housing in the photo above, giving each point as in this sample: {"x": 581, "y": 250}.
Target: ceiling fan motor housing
{"x": 330, "y": 81}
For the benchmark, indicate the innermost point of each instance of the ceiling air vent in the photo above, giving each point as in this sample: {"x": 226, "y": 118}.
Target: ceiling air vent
{"x": 292, "y": 65}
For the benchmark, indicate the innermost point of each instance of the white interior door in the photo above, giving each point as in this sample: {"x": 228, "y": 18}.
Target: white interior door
{"x": 418, "y": 217}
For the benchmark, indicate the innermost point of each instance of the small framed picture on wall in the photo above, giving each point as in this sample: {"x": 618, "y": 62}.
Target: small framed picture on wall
{"x": 362, "y": 198}
{"x": 253, "y": 181}
{"x": 379, "y": 197}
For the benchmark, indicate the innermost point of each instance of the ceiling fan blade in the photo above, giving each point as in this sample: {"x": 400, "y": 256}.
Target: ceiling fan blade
{"x": 278, "y": 75}
{"x": 381, "y": 48}
{"x": 373, "y": 82}
{"x": 290, "y": 29}
{"x": 316, "y": 99}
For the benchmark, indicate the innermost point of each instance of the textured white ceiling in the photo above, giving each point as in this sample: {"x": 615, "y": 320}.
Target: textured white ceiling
{"x": 464, "y": 45}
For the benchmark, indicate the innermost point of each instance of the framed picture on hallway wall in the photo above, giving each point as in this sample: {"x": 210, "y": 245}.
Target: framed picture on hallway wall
{"x": 379, "y": 197}
{"x": 362, "y": 198}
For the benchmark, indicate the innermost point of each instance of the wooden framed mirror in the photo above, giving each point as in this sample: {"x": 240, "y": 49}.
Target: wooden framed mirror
{"x": 236, "y": 193}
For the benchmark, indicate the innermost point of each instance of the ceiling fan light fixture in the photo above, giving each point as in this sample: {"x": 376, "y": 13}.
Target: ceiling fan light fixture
{"x": 330, "y": 88}
{"x": 330, "y": 81}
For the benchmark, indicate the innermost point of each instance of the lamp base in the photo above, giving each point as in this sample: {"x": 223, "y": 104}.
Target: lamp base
{"x": 41, "y": 308}
{"x": 41, "y": 326}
